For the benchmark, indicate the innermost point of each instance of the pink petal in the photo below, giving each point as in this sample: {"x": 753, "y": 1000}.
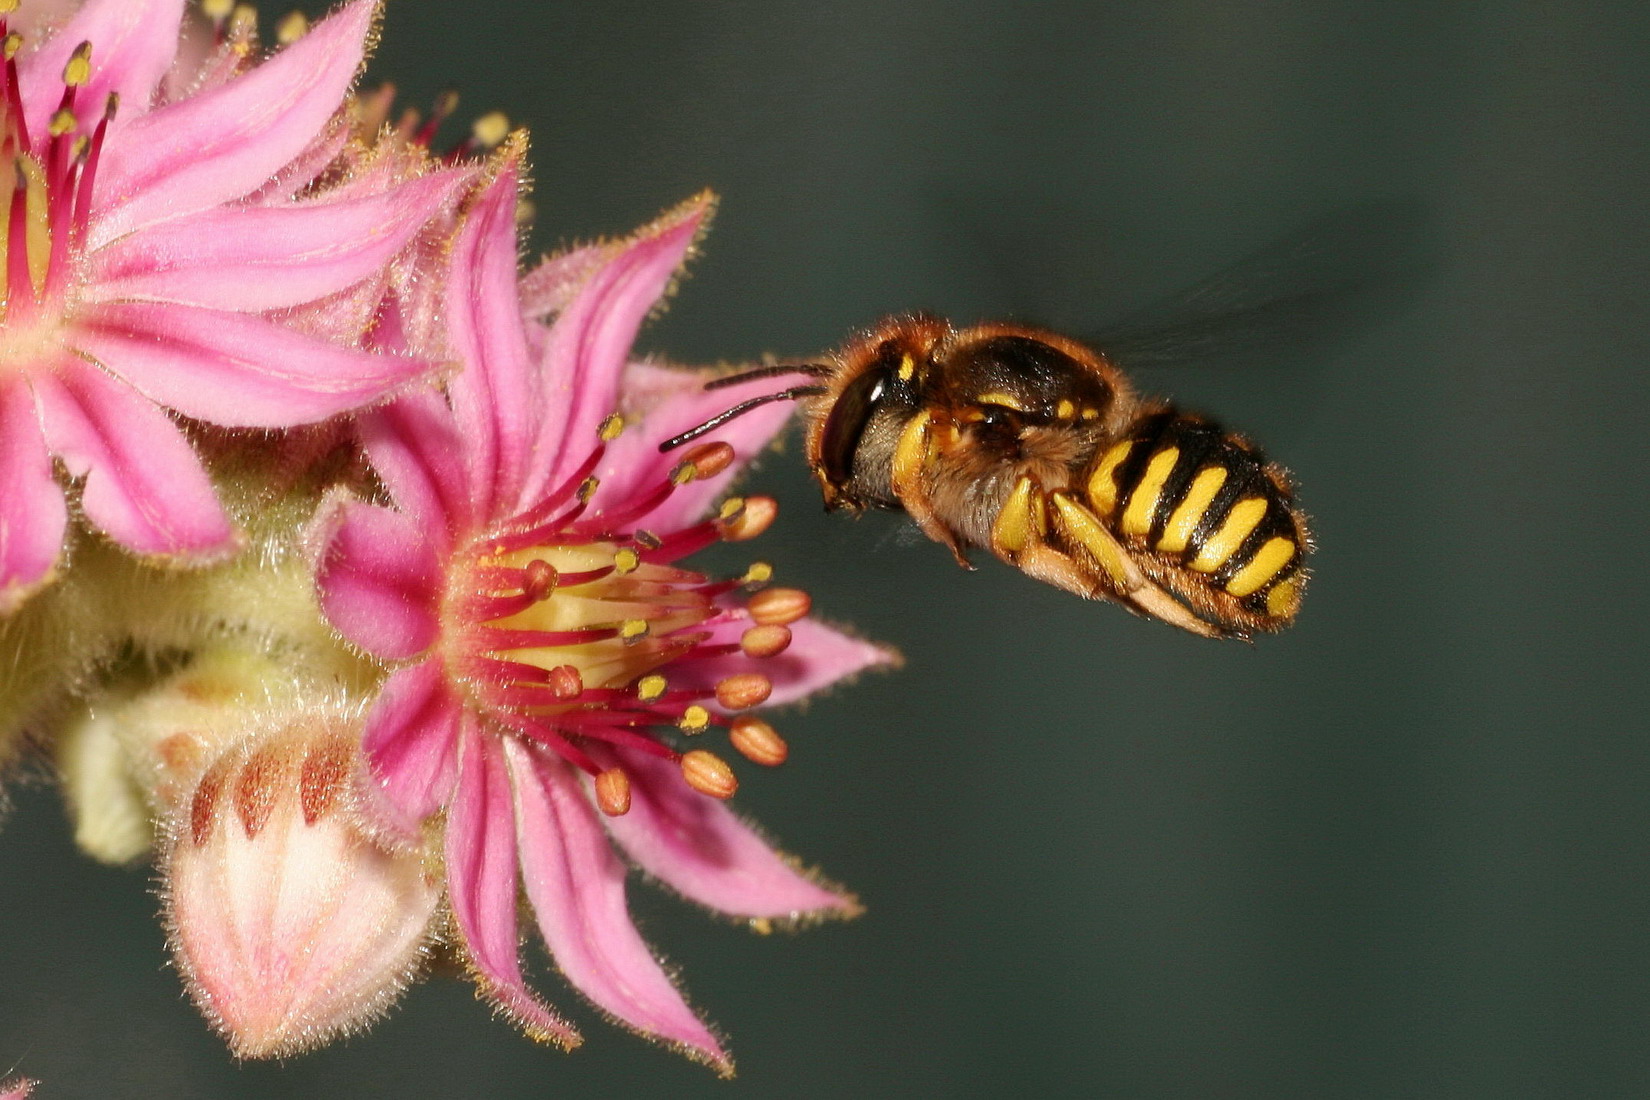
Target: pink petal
{"x": 16, "y": 1089}
{"x": 590, "y": 341}
{"x": 411, "y": 744}
{"x": 270, "y": 257}
{"x": 695, "y": 845}
{"x": 414, "y": 446}
{"x": 144, "y": 485}
{"x": 494, "y": 401}
{"x": 32, "y": 513}
{"x": 481, "y": 884}
{"x": 668, "y": 402}
{"x": 576, "y": 885}
{"x": 548, "y": 288}
{"x": 378, "y": 578}
{"x": 133, "y": 43}
{"x": 236, "y": 369}
{"x": 226, "y": 142}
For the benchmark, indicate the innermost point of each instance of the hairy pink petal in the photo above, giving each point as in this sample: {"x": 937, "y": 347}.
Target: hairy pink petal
{"x": 144, "y": 485}
{"x": 411, "y": 744}
{"x": 494, "y": 401}
{"x": 415, "y": 447}
{"x": 378, "y": 578}
{"x": 669, "y": 402}
{"x": 133, "y": 44}
{"x": 32, "y": 513}
{"x": 270, "y": 257}
{"x": 236, "y": 369}
{"x": 548, "y": 288}
{"x": 226, "y": 142}
{"x": 697, "y": 846}
{"x": 577, "y": 888}
{"x": 589, "y": 343}
{"x": 18, "y": 1089}
{"x": 481, "y": 883}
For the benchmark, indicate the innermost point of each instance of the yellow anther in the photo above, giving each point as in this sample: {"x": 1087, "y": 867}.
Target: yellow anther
{"x": 730, "y": 508}
{"x": 62, "y": 122}
{"x": 217, "y": 10}
{"x": 8, "y": 6}
{"x": 647, "y": 539}
{"x": 649, "y": 688}
{"x": 760, "y": 572}
{"x": 14, "y": 42}
{"x": 293, "y": 26}
{"x": 694, "y": 719}
{"x": 79, "y": 68}
{"x": 683, "y": 472}
{"x": 633, "y": 630}
{"x": 81, "y": 145}
{"x": 445, "y": 103}
{"x": 610, "y": 428}
{"x": 762, "y": 926}
{"x": 587, "y": 489}
{"x": 625, "y": 560}
{"x": 243, "y": 20}
{"x": 490, "y": 129}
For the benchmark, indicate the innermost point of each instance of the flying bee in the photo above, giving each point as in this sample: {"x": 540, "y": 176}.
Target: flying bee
{"x": 1038, "y": 449}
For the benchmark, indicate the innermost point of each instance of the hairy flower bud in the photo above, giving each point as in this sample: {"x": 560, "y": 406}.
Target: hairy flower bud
{"x": 289, "y": 922}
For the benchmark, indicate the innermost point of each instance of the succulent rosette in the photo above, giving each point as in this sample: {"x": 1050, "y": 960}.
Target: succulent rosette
{"x": 549, "y": 650}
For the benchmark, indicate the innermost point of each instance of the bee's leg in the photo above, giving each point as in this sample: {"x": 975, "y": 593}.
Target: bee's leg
{"x": 1081, "y": 527}
{"x": 912, "y": 454}
{"x": 1019, "y": 537}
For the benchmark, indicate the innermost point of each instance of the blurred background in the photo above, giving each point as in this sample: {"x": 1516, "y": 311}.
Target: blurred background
{"x": 1398, "y": 851}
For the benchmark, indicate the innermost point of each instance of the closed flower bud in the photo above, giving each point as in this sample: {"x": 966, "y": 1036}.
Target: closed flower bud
{"x": 289, "y": 922}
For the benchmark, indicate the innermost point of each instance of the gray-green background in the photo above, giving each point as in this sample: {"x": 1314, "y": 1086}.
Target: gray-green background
{"x": 1399, "y": 851}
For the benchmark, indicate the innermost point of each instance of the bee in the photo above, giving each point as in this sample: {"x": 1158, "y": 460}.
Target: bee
{"x": 1037, "y": 448}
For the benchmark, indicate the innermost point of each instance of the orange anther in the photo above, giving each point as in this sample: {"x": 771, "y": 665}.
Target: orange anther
{"x": 758, "y": 742}
{"x": 767, "y": 640}
{"x": 613, "y": 792}
{"x": 743, "y": 690}
{"x": 779, "y": 606}
{"x": 709, "y": 774}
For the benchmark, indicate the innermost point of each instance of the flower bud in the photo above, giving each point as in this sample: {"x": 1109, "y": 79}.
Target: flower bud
{"x": 289, "y": 922}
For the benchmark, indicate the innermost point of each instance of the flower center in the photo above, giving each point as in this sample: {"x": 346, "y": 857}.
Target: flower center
{"x": 46, "y": 186}
{"x": 573, "y": 631}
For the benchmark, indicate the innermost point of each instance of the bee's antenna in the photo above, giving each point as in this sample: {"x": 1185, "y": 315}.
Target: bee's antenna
{"x": 818, "y": 370}
{"x": 744, "y": 407}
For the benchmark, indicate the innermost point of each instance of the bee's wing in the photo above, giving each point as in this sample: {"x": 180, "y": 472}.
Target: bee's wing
{"x": 1288, "y": 300}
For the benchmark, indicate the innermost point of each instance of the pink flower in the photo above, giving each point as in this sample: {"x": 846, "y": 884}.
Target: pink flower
{"x": 16, "y": 1090}
{"x": 526, "y": 581}
{"x": 148, "y": 245}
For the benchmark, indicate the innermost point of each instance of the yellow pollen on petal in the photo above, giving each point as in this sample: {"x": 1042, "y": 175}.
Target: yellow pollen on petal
{"x": 649, "y": 688}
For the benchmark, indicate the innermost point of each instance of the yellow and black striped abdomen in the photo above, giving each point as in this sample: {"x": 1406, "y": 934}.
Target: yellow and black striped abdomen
{"x": 1207, "y": 517}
